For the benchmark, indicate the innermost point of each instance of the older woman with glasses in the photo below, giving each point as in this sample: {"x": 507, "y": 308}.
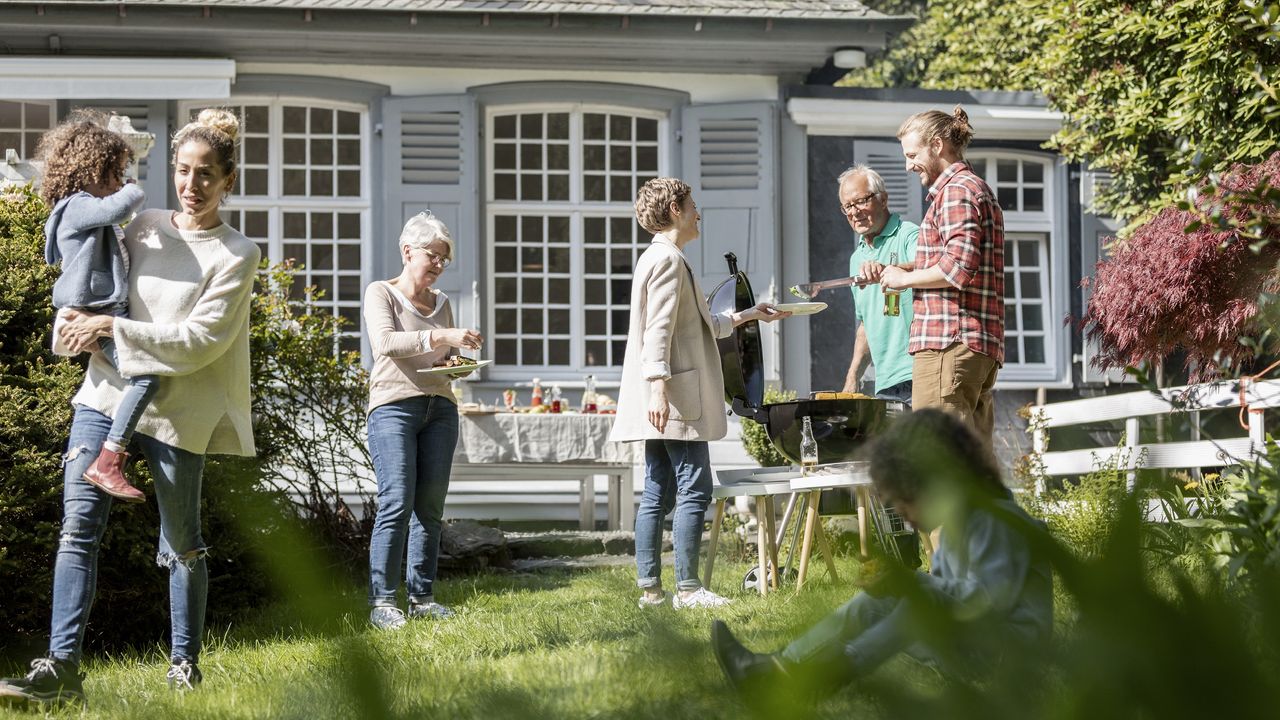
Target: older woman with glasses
{"x": 413, "y": 420}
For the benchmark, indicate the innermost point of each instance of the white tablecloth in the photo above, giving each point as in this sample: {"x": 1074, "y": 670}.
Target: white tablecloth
{"x": 541, "y": 438}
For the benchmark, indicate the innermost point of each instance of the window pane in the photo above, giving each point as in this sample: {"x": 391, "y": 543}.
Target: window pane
{"x": 531, "y": 229}
{"x": 531, "y": 352}
{"x": 295, "y": 225}
{"x": 1011, "y": 350}
{"x": 558, "y": 157}
{"x": 255, "y": 181}
{"x": 322, "y": 182}
{"x": 558, "y": 126}
{"x": 558, "y": 290}
{"x": 531, "y": 322}
{"x": 558, "y": 187}
{"x": 504, "y": 126}
{"x": 1007, "y": 172}
{"x": 531, "y": 291}
{"x": 255, "y": 224}
{"x": 1028, "y": 253}
{"x": 594, "y": 291}
{"x": 505, "y": 321}
{"x": 1033, "y": 199}
{"x": 531, "y": 126}
{"x": 348, "y": 122}
{"x": 620, "y": 260}
{"x": 295, "y": 151}
{"x": 321, "y": 226}
{"x": 348, "y": 257}
{"x": 558, "y": 322}
{"x": 593, "y": 260}
{"x": 530, "y": 187}
{"x": 256, "y": 119}
{"x": 295, "y": 119}
{"x": 504, "y": 186}
{"x": 620, "y": 229}
{"x": 597, "y": 352}
{"x": 558, "y": 229}
{"x": 504, "y": 228}
{"x": 597, "y": 322}
{"x": 1032, "y": 317}
{"x": 322, "y": 151}
{"x": 558, "y": 352}
{"x": 1032, "y": 172}
{"x": 530, "y": 156}
{"x": 646, "y": 129}
{"x": 349, "y": 183}
{"x": 620, "y": 321}
{"x": 1008, "y": 198}
{"x": 1030, "y": 285}
{"x": 647, "y": 159}
{"x": 620, "y": 291}
{"x": 558, "y": 259}
{"x": 504, "y": 259}
{"x": 295, "y": 182}
{"x": 349, "y": 226}
{"x": 348, "y": 288}
{"x": 593, "y": 126}
{"x": 349, "y": 152}
{"x": 37, "y": 116}
{"x": 321, "y": 120}
{"x": 620, "y": 188}
{"x": 504, "y": 290}
{"x": 593, "y": 157}
{"x": 593, "y": 188}
{"x": 504, "y": 351}
{"x": 1010, "y": 317}
{"x": 593, "y": 230}
{"x": 620, "y": 157}
{"x": 619, "y": 127}
{"x": 619, "y": 349}
{"x": 1035, "y": 349}
{"x": 11, "y": 141}
{"x": 10, "y": 114}
{"x": 255, "y": 150}
{"x": 531, "y": 259}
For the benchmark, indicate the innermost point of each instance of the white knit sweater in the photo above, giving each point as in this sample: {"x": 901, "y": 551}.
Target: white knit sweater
{"x": 189, "y": 297}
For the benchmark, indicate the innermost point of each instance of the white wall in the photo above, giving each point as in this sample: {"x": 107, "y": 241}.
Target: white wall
{"x": 702, "y": 88}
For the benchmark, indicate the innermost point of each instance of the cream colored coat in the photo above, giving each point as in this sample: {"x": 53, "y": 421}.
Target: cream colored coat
{"x": 672, "y": 335}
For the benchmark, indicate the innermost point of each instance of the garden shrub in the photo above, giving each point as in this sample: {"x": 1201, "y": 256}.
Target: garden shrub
{"x": 755, "y": 437}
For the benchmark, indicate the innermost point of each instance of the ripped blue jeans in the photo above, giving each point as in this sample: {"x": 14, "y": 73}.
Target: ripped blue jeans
{"x": 177, "y": 475}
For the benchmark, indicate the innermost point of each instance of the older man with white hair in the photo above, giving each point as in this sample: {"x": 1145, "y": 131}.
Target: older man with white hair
{"x": 884, "y": 321}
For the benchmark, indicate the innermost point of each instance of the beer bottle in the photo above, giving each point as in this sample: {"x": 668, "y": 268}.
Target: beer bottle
{"x": 892, "y": 298}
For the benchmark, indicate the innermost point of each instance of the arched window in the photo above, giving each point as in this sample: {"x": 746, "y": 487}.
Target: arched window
{"x": 303, "y": 194}
{"x": 563, "y": 239}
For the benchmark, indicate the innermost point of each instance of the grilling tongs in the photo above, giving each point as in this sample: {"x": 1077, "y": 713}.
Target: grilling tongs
{"x": 806, "y": 291}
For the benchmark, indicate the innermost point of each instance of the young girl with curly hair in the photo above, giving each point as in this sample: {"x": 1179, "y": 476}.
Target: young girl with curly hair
{"x": 84, "y": 185}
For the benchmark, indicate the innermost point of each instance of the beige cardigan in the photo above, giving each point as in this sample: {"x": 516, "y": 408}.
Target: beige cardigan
{"x": 672, "y": 335}
{"x": 189, "y": 297}
{"x": 398, "y": 336}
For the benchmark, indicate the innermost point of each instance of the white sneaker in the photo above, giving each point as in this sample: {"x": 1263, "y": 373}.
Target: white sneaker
{"x": 429, "y": 609}
{"x": 647, "y": 602}
{"x": 700, "y": 598}
{"x": 385, "y": 617}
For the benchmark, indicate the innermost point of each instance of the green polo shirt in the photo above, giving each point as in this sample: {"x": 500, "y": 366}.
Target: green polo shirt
{"x": 887, "y": 336}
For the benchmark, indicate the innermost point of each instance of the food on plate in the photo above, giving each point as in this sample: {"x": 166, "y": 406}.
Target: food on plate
{"x": 457, "y": 361}
{"x": 831, "y": 395}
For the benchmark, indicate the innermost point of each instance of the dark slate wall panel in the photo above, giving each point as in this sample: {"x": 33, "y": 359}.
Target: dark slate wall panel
{"x": 831, "y": 241}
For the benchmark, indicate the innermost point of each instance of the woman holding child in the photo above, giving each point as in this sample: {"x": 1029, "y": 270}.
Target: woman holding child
{"x": 190, "y": 280}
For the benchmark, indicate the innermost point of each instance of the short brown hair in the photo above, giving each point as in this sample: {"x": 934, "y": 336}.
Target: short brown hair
{"x": 653, "y": 202}
{"x": 954, "y": 129}
{"x": 82, "y": 151}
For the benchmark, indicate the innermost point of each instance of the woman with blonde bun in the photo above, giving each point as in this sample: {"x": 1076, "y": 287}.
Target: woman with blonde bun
{"x": 190, "y": 283}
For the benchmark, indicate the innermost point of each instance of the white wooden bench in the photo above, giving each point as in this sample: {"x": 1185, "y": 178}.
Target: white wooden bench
{"x": 621, "y": 512}
{"x": 1131, "y": 407}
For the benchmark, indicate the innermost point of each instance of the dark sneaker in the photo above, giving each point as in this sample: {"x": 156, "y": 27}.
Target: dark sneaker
{"x": 51, "y": 682}
{"x": 184, "y": 675}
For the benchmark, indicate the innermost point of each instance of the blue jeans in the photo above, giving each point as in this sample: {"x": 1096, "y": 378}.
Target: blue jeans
{"x": 134, "y": 400}
{"x": 900, "y": 393}
{"x": 178, "y": 476}
{"x": 677, "y": 475}
{"x": 412, "y": 443}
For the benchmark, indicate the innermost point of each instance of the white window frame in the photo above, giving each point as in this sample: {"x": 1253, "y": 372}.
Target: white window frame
{"x": 276, "y": 203}
{"x": 29, "y": 153}
{"x": 576, "y": 211}
{"x": 1055, "y": 371}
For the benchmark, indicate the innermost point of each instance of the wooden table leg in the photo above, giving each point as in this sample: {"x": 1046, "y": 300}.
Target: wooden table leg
{"x": 762, "y": 548}
{"x": 613, "y": 491}
{"x": 587, "y": 503}
{"x": 825, "y": 546}
{"x": 806, "y": 546}
{"x": 627, "y": 499}
{"x": 863, "y": 508}
{"x": 714, "y": 541}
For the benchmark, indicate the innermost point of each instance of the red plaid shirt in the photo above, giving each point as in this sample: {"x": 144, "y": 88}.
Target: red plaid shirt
{"x": 962, "y": 234}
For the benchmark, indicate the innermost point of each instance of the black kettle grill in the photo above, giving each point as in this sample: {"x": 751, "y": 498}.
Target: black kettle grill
{"x": 840, "y": 426}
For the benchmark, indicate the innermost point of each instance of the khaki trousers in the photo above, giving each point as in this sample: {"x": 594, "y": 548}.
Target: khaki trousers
{"x": 957, "y": 380}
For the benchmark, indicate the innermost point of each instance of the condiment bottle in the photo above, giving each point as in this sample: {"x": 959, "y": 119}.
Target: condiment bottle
{"x": 589, "y": 395}
{"x": 535, "y": 399}
{"x": 555, "y": 399}
{"x": 808, "y": 447}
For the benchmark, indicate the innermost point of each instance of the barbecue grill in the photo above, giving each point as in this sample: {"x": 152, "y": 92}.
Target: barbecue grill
{"x": 840, "y": 426}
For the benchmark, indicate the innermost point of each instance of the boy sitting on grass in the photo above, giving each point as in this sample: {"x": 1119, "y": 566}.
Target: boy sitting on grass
{"x": 989, "y": 588}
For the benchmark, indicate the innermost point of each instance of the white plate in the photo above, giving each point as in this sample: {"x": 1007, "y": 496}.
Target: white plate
{"x": 456, "y": 370}
{"x": 805, "y": 308}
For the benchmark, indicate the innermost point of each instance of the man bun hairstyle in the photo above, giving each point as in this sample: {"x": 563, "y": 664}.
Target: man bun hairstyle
{"x": 954, "y": 129}
{"x": 81, "y": 151}
{"x": 653, "y": 202}
{"x": 219, "y": 129}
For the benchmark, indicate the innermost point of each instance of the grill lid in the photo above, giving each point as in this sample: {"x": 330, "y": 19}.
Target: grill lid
{"x": 741, "y": 355}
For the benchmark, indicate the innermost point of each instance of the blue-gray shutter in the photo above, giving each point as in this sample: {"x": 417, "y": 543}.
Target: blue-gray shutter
{"x": 906, "y": 194}
{"x": 430, "y": 162}
{"x": 153, "y": 170}
{"x": 729, "y": 159}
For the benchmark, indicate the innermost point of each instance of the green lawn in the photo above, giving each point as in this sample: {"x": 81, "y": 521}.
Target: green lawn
{"x": 552, "y": 644}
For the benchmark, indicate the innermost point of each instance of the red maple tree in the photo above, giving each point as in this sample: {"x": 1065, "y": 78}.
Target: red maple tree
{"x": 1190, "y": 279}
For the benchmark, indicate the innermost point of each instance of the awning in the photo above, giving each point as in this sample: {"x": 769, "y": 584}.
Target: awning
{"x": 86, "y": 78}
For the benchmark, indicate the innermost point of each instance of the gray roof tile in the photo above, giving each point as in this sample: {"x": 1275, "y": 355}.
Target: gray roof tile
{"x": 781, "y": 9}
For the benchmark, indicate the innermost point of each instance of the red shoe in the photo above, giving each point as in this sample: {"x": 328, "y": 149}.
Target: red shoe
{"x": 107, "y": 474}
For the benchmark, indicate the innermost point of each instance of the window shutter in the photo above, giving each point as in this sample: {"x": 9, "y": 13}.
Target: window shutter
{"x": 906, "y": 195}
{"x": 153, "y": 170}
{"x": 430, "y": 161}
{"x": 729, "y": 161}
{"x": 1094, "y": 231}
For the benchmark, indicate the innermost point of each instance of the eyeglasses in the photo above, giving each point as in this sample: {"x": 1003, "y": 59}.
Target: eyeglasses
{"x": 861, "y": 203}
{"x": 437, "y": 258}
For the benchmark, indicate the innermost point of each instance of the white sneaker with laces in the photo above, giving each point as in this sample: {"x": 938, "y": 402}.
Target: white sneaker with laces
{"x": 430, "y": 609}
{"x": 647, "y": 602}
{"x": 700, "y": 598}
{"x": 385, "y": 617}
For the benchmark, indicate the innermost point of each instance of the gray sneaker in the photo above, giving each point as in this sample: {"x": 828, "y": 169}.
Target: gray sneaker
{"x": 647, "y": 602}
{"x": 184, "y": 675}
{"x": 385, "y": 617}
{"x": 430, "y": 609}
{"x": 700, "y": 598}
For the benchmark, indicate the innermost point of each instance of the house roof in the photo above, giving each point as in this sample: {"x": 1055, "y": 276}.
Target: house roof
{"x": 764, "y": 9}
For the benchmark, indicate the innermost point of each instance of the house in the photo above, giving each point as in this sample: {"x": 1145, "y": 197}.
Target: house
{"x": 527, "y": 126}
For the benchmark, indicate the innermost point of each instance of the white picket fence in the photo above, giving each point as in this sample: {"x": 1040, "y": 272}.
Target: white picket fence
{"x": 1132, "y": 407}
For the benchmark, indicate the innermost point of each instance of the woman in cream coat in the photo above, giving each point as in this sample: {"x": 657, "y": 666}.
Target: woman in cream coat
{"x": 672, "y": 393}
